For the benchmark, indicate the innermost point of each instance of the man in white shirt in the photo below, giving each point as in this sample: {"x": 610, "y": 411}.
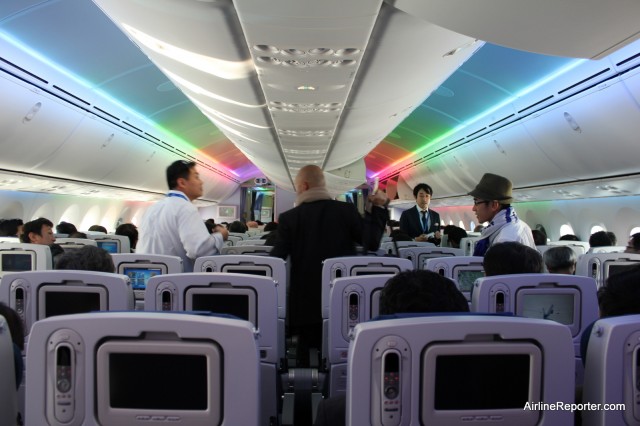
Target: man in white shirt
{"x": 173, "y": 226}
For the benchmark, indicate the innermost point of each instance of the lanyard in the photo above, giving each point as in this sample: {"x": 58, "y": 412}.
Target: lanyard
{"x": 173, "y": 194}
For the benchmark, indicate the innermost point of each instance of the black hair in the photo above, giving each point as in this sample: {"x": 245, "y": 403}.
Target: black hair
{"x": 600, "y": 239}
{"x": 237, "y": 226}
{"x": 98, "y": 228}
{"x": 424, "y": 187}
{"x": 86, "y": 258}
{"x": 180, "y": 169}
{"x": 34, "y": 226}
{"x": 128, "y": 230}
{"x": 9, "y": 227}
{"x": 454, "y": 234}
{"x": 569, "y": 237}
{"x": 421, "y": 291}
{"x": 511, "y": 258}
{"x": 66, "y": 228}
{"x": 271, "y": 226}
{"x": 621, "y": 294}
{"x": 539, "y": 237}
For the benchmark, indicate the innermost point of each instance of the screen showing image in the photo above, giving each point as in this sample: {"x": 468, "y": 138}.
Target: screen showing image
{"x": 66, "y": 303}
{"x": 109, "y": 246}
{"x": 555, "y": 307}
{"x": 232, "y": 304}
{"x": 158, "y": 381}
{"x": 140, "y": 276}
{"x": 467, "y": 277}
{"x": 480, "y": 382}
{"x": 15, "y": 262}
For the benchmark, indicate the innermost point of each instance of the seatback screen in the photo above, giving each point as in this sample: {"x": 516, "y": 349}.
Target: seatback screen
{"x": 16, "y": 262}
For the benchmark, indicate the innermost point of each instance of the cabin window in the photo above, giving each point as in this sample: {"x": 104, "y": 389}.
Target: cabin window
{"x": 566, "y": 229}
{"x": 597, "y": 228}
{"x": 461, "y": 224}
{"x": 472, "y": 225}
{"x": 634, "y": 230}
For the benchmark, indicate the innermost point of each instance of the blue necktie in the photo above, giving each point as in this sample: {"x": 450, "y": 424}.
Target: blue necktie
{"x": 425, "y": 221}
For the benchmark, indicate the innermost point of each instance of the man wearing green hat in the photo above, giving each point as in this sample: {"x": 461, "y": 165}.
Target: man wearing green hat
{"x": 492, "y": 203}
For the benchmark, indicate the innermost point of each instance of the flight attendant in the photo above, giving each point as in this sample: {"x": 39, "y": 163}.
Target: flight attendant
{"x": 420, "y": 222}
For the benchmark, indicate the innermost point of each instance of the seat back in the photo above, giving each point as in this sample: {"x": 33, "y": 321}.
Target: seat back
{"x": 580, "y": 247}
{"x": 611, "y": 372}
{"x": 127, "y": 368}
{"x": 18, "y": 257}
{"x": 36, "y": 295}
{"x": 463, "y": 270}
{"x": 442, "y": 370}
{"x": 468, "y": 244}
{"x": 419, "y": 255}
{"x": 253, "y": 249}
{"x": 250, "y": 242}
{"x": 600, "y": 265}
{"x": 353, "y": 300}
{"x": 337, "y": 267}
{"x": 390, "y": 247}
{"x": 8, "y": 393}
{"x": 112, "y": 243}
{"x": 75, "y": 243}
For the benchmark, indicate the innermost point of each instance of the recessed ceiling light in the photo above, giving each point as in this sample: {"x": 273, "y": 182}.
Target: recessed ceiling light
{"x": 306, "y": 88}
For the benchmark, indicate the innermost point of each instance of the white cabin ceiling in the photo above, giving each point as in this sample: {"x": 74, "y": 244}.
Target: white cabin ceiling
{"x": 252, "y": 88}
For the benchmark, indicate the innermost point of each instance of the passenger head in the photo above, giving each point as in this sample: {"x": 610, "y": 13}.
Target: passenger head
{"x": 621, "y": 294}
{"x": 491, "y": 194}
{"x": 39, "y": 231}
{"x": 15, "y": 325}
{"x": 633, "y": 246}
{"x": 183, "y": 176}
{"x": 569, "y": 237}
{"x": 309, "y": 177}
{"x": 237, "y": 226}
{"x": 539, "y": 237}
{"x": 86, "y": 258}
{"x": 422, "y": 194}
{"x": 252, "y": 224}
{"x": 454, "y": 235}
{"x": 98, "y": 228}
{"x": 511, "y": 258}
{"x": 128, "y": 230}
{"x": 600, "y": 239}
{"x": 78, "y": 235}
{"x": 613, "y": 238}
{"x": 421, "y": 291}
{"x": 11, "y": 227}
{"x": 271, "y": 226}
{"x": 66, "y": 228}
{"x": 560, "y": 260}
{"x": 398, "y": 235}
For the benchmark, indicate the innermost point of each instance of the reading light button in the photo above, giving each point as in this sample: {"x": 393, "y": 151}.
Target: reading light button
{"x": 496, "y": 418}
{"x": 173, "y": 418}
{"x": 143, "y": 418}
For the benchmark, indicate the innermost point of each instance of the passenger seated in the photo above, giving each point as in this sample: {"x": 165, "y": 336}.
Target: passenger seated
{"x": 569, "y": 237}
{"x": 419, "y": 291}
{"x": 512, "y": 258}
{"x": 539, "y": 237}
{"x": 237, "y": 226}
{"x": 398, "y": 235}
{"x": 131, "y": 231}
{"x": 600, "y": 239}
{"x": 11, "y": 227}
{"x": 66, "y": 228}
{"x": 454, "y": 235}
{"x": 613, "y": 238}
{"x": 633, "y": 246}
{"x": 40, "y": 231}
{"x": 17, "y": 336}
{"x": 560, "y": 260}
{"x": 86, "y": 258}
{"x": 98, "y": 228}
{"x": 620, "y": 296}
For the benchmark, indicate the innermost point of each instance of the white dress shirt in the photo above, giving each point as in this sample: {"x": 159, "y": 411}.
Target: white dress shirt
{"x": 173, "y": 226}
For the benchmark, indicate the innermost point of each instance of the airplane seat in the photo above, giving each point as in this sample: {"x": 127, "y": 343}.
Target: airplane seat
{"x": 600, "y": 265}
{"x": 463, "y": 270}
{"x": 612, "y": 371}
{"x": 419, "y": 255}
{"x": 468, "y": 244}
{"x": 353, "y": 300}
{"x": 8, "y": 393}
{"x": 252, "y": 249}
{"x": 18, "y": 257}
{"x": 567, "y": 299}
{"x": 390, "y": 247}
{"x": 607, "y": 249}
{"x": 455, "y": 370}
{"x": 36, "y": 295}
{"x": 248, "y": 297}
{"x": 240, "y": 235}
{"x": 112, "y": 243}
{"x": 580, "y": 247}
{"x": 139, "y": 368}
{"x": 250, "y": 242}
{"x": 75, "y": 243}
{"x": 232, "y": 240}
{"x": 140, "y": 267}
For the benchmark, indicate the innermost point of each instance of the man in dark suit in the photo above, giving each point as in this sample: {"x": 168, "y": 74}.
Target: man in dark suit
{"x": 319, "y": 228}
{"x": 419, "y": 222}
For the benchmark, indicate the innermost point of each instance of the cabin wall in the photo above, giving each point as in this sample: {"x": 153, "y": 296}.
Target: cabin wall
{"x": 81, "y": 211}
{"x": 620, "y": 215}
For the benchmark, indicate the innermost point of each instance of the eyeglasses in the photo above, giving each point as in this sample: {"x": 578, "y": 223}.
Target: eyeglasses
{"x": 475, "y": 203}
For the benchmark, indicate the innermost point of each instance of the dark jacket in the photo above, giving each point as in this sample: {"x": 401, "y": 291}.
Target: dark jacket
{"x": 410, "y": 222}
{"x": 313, "y": 232}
